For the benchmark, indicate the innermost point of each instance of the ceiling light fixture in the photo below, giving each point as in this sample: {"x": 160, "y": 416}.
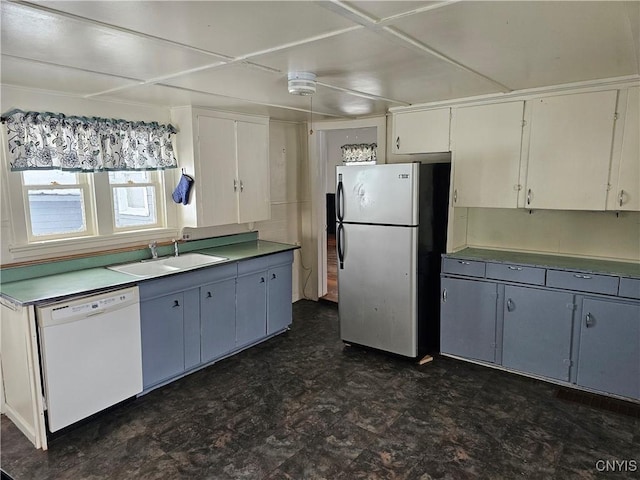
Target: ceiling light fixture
{"x": 302, "y": 83}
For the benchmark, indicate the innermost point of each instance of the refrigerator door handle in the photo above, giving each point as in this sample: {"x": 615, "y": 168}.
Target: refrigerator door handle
{"x": 340, "y": 199}
{"x": 340, "y": 241}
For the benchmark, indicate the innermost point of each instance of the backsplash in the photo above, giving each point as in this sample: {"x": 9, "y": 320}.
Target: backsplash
{"x": 13, "y": 274}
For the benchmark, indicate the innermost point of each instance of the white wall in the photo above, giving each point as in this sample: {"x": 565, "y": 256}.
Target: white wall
{"x": 605, "y": 235}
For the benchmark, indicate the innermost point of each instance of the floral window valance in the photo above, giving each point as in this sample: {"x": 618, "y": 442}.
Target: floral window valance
{"x": 359, "y": 153}
{"x": 55, "y": 141}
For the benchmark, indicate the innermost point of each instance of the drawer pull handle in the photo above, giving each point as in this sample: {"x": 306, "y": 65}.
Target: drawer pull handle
{"x": 398, "y": 143}
{"x": 516, "y": 268}
{"x": 577, "y": 275}
{"x": 463, "y": 263}
{"x": 455, "y": 195}
{"x": 209, "y": 295}
{"x": 588, "y": 320}
{"x": 444, "y": 294}
{"x": 261, "y": 279}
{"x": 621, "y": 197}
{"x": 176, "y": 303}
{"x": 273, "y": 275}
{"x": 529, "y": 197}
{"x": 510, "y": 306}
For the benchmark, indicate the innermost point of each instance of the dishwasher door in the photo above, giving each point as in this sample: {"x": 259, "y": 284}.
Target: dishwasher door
{"x": 91, "y": 354}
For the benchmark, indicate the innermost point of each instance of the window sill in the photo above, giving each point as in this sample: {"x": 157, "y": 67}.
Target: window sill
{"x": 63, "y": 247}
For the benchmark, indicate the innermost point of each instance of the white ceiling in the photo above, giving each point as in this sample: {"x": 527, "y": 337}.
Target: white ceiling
{"x": 369, "y": 56}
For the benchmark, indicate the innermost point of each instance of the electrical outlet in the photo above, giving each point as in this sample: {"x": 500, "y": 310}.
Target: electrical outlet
{"x": 185, "y": 236}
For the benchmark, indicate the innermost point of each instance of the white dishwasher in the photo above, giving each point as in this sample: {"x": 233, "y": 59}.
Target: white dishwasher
{"x": 91, "y": 354}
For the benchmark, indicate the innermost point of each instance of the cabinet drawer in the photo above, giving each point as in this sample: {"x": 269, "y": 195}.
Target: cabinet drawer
{"x": 516, "y": 273}
{"x": 463, "y": 267}
{"x": 583, "y": 282}
{"x": 629, "y": 287}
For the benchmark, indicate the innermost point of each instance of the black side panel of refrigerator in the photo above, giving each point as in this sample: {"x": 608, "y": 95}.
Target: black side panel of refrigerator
{"x": 432, "y": 243}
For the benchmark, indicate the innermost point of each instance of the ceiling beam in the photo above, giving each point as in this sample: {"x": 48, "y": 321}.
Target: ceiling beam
{"x": 400, "y": 38}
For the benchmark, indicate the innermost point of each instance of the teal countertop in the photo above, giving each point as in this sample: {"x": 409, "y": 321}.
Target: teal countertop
{"x": 585, "y": 265}
{"x": 82, "y": 282}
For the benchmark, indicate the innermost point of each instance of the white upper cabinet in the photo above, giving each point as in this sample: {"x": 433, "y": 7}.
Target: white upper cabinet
{"x": 424, "y": 131}
{"x": 253, "y": 172}
{"x": 486, "y": 142}
{"x": 624, "y": 193}
{"x": 570, "y": 142}
{"x": 228, "y": 156}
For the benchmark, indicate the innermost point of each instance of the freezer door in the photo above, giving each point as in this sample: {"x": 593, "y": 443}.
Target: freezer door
{"x": 383, "y": 194}
{"x": 377, "y": 287}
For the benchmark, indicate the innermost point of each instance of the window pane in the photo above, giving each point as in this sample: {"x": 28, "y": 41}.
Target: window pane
{"x": 56, "y": 211}
{"x": 134, "y": 206}
{"x": 45, "y": 177}
{"x": 125, "y": 177}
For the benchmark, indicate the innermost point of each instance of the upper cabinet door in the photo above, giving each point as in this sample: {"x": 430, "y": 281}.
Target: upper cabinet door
{"x": 570, "y": 151}
{"x": 486, "y": 155}
{"x": 625, "y": 183}
{"x": 253, "y": 172}
{"x": 217, "y": 183}
{"x": 421, "y": 132}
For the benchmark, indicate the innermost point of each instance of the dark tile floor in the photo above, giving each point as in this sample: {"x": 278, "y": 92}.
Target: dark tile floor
{"x": 302, "y": 406}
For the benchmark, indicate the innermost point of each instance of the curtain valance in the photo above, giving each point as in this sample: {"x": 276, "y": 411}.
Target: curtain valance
{"x": 44, "y": 140}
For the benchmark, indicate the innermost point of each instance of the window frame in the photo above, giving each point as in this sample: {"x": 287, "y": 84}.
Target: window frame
{"x": 83, "y": 183}
{"x": 156, "y": 180}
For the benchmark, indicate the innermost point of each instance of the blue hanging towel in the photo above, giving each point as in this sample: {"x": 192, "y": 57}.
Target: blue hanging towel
{"x": 181, "y": 193}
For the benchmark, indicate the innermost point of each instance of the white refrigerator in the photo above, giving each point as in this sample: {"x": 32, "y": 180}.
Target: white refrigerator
{"x": 391, "y": 232}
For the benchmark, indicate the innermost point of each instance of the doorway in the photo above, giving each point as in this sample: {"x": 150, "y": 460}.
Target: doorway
{"x": 330, "y": 156}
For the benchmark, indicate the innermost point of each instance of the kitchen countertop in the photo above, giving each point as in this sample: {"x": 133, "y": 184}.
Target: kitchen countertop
{"x": 82, "y": 282}
{"x": 587, "y": 265}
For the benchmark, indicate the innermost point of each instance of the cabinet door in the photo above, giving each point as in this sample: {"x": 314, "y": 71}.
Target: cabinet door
{"x": 609, "y": 354}
{"x": 279, "y": 307}
{"x": 468, "y": 319}
{"x": 253, "y": 172}
{"x": 251, "y": 308}
{"x": 162, "y": 331}
{"x": 218, "y": 319}
{"x": 191, "y": 315}
{"x": 217, "y": 182}
{"x": 537, "y": 328}
{"x": 486, "y": 155}
{"x": 570, "y": 151}
{"x": 421, "y": 132}
{"x": 625, "y": 192}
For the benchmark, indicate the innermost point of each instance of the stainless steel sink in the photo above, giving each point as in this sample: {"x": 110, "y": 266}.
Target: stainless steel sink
{"x": 161, "y": 266}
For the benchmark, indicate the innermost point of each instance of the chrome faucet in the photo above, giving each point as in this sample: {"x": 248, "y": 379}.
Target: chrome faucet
{"x": 154, "y": 249}
{"x": 175, "y": 247}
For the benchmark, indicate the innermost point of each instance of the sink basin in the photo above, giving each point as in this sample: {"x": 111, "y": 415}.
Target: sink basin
{"x": 144, "y": 269}
{"x": 162, "y": 266}
{"x": 189, "y": 260}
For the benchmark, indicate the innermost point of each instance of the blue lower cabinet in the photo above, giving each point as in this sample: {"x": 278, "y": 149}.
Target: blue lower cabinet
{"x": 194, "y": 318}
{"x": 537, "y": 331}
{"x": 162, "y": 325}
{"x": 218, "y": 319}
{"x": 609, "y": 352}
{"x": 468, "y": 318}
{"x": 192, "y": 356}
{"x": 251, "y": 308}
{"x": 279, "y": 306}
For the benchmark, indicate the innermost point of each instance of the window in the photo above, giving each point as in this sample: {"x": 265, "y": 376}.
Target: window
{"x": 134, "y": 198}
{"x": 85, "y": 179}
{"x": 62, "y": 204}
{"x": 57, "y": 204}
